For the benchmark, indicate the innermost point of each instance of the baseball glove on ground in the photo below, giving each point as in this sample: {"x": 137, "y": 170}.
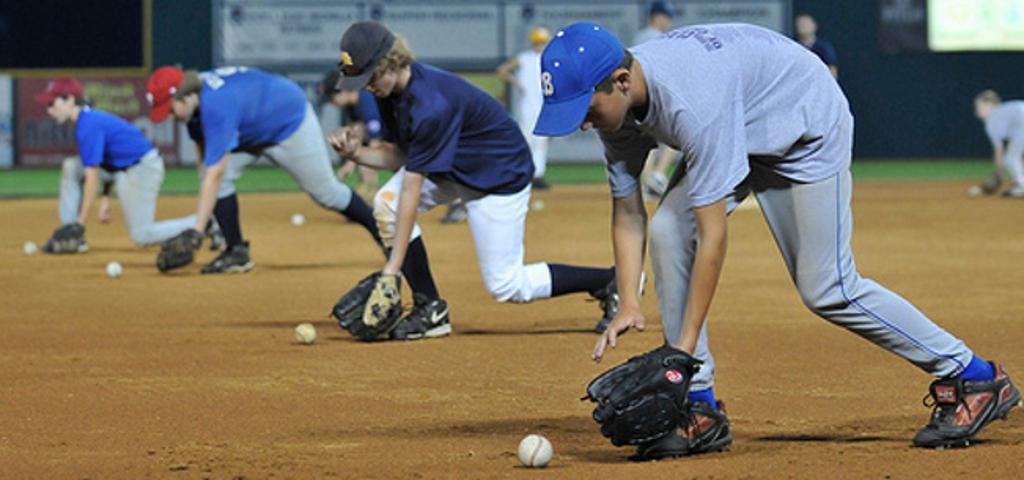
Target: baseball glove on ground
{"x": 178, "y": 251}
{"x": 372, "y": 308}
{"x": 643, "y": 399}
{"x": 68, "y": 238}
{"x": 992, "y": 184}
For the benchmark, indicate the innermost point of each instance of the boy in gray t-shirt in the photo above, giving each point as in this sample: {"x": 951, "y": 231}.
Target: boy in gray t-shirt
{"x": 753, "y": 112}
{"x": 1004, "y": 125}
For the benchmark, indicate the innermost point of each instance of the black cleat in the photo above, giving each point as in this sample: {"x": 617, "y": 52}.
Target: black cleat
{"x": 961, "y": 409}
{"x": 234, "y": 259}
{"x": 428, "y": 319}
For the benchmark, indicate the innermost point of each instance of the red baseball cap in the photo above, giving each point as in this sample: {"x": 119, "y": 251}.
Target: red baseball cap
{"x": 59, "y": 87}
{"x": 160, "y": 89}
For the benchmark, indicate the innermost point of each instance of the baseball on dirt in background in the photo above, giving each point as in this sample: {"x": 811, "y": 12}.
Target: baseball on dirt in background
{"x": 538, "y": 205}
{"x": 305, "y": 333}
{"x": 974, "y": 191}
{"x": 535, "y": 451}
{"x": 30, "y": 248}
{"x": 114, "y": 270}
{"x": 298, "y": 219}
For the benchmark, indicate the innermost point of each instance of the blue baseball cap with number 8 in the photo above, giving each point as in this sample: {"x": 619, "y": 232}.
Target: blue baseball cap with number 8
{"x": 578, "y": 58}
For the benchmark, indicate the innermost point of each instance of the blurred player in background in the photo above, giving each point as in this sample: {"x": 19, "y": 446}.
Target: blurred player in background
{"x": 236, "y": 115}
{"x": 359, "y": 109}
{"x": 659, "y": 20}
{"x": 1004, "y": 125}
{"x": 522, "y": 72}
{"x": 109, "y": 148}
{"x": 755, "y": 114}
{"x": 449, "y": 140}
{"x": 660, "y": 160}
{"x": 807, "y": 34}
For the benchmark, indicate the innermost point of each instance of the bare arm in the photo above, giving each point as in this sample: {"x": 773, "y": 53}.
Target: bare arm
{"x": 208, "y": 192}
{"x": 408, "y": 204}
{"x": 90, "y": 186}
{"x": 707, "y": 266}
{"x": 998, "y": 152}
{"x": 629, "y": 239}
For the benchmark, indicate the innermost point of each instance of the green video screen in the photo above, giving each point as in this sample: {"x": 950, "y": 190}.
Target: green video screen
{"x": 975, "y": 25}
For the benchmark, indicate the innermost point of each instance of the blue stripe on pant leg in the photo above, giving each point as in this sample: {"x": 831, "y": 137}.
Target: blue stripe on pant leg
{"x": 865, "y": 310}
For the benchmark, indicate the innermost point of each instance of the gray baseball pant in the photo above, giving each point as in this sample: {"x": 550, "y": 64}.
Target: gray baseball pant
{"x": 812, "y": 225}
{"x": 137, "y": 189}
{"x": 304, "y": 156}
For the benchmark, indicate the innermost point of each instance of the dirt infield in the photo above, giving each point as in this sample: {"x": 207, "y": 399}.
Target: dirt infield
{"x": 189, "y": 376}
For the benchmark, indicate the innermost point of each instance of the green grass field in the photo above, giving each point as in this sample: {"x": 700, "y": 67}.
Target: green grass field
{"x": 43, "y": 183}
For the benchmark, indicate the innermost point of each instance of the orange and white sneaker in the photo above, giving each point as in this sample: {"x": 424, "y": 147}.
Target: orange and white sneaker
{"x": 962, "y": 408}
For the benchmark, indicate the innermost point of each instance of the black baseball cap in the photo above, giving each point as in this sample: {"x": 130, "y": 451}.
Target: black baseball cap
{"x": 362, "y": 47}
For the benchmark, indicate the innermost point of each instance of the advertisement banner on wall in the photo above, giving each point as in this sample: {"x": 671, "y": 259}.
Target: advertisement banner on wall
{"x": 6, "y": 122}
{"x": 464, "y": 35}
{"x": 279, "y": 32}
{"x": 771, "y": 14}
{"x": 43, "y": 143}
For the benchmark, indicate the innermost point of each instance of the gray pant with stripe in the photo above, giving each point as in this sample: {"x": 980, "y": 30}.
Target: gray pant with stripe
{"x": 812, "y": 225}
{"x": 137, "y": 189}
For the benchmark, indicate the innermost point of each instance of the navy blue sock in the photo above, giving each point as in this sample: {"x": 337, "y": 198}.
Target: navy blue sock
{"x": 359, "y": 212}
{"x": 416, "y": 270}
{"x": 703, "y": 396}
{"x": 978, "y": 371}
{"x": 571, "y": 279}
{"x": 226, "y": 213}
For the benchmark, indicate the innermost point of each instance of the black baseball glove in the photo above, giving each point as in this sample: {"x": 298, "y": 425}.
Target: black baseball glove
{"x": 992, "y": 183}
{"x": 68, "y": 238}
{"x": 178, "y": 251}
{"x": 372, "y": 308}
{"x": 643, "y": 399}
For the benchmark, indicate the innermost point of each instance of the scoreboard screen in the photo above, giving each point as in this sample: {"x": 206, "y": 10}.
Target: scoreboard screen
{"x": 975, "y": 25}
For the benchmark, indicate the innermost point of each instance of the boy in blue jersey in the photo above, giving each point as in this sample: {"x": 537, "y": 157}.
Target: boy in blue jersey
{"x": 753, "y": 113}
{"x": 108, "y": 146}
{"x": 448, "y": 140}
{"x": 236, "y": 115}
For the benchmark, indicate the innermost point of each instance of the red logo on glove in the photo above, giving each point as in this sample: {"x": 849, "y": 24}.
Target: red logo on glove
{"x": 674, "y": 376}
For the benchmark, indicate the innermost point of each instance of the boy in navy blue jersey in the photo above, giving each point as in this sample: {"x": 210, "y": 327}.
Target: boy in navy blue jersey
{"x": 235, "y": 115}
{"x": 448, "y": 140}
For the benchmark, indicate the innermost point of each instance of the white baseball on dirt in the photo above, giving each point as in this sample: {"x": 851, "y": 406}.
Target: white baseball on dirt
{"x": 974, "y": 191}
{"x": 114, "y": 270}
{"x": 30, "y": 248}
{"x": 305, "y": 333}
{"x": 535, "y": 451}
{"x": 538, "y": 205}
{"x": 298, "y": 219}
